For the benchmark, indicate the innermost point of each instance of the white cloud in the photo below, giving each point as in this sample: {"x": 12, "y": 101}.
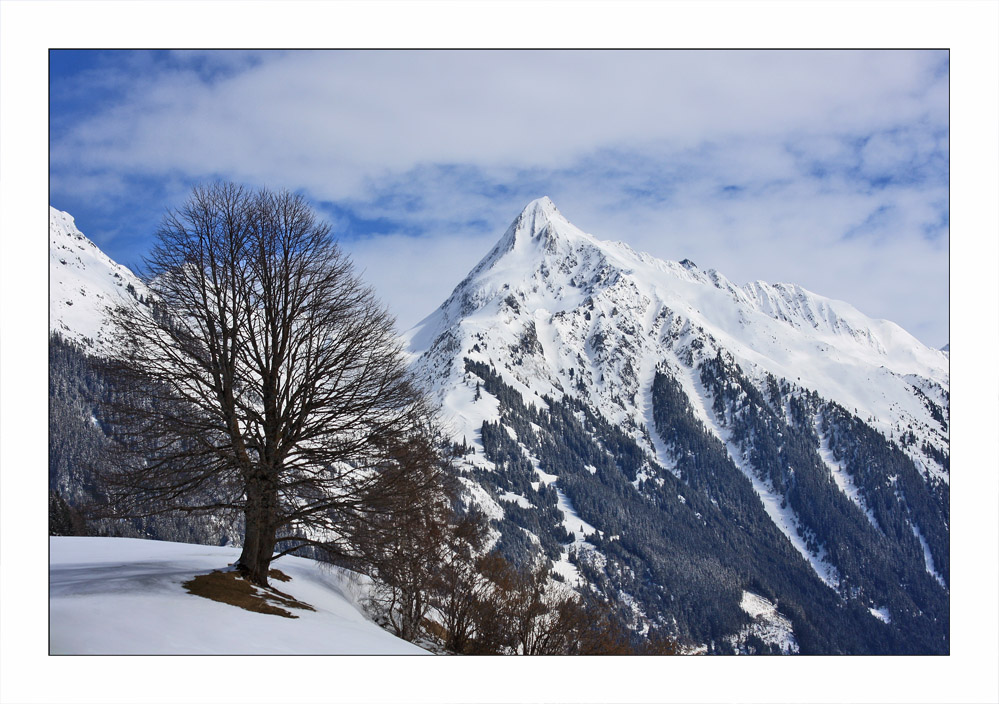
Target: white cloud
{"x": 631, "y": 145}
{"x": 330, "y": 120}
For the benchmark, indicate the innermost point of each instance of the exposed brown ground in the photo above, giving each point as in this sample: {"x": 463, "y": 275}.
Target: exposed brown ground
{"x": 231, "y": 588}
{"x": 278, "y": 575}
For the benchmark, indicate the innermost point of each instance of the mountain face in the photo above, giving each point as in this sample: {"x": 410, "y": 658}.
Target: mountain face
{"x": 703, "y": 454}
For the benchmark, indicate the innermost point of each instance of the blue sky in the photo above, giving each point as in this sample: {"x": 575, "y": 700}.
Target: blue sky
{"x": 825, "y": 168}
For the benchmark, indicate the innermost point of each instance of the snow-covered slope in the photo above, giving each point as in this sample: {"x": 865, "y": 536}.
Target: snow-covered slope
{"x": 558, "y": 311}
{"x": 761, "y": 417}
{"x": 768, "y": 626}
{"x": 83, "y": 283}
{"x": 121, "y": 596}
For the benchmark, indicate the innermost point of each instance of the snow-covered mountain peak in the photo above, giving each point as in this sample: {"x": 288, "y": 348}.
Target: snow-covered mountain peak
{"x": 538, "y": 251}
{"x": 540, "y": 208}
{"x": 545, "y": 263}
{"x": 83, "y": 283}
{"x": 538, "y": 229}
{"x": 559, "y": 312}
{"x": 538, "y": 215}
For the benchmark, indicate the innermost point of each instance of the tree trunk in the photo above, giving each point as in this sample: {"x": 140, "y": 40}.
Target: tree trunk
{"x": 261, "y": 532}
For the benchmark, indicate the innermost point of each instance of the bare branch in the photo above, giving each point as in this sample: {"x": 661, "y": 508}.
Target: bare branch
{"x": 265, "y": 373}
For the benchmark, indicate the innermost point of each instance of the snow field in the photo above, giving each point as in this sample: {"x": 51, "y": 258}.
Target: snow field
{"x": 769, "y": 625}
{"x": 122, "y": 596}
{"x": 881, "y": 614}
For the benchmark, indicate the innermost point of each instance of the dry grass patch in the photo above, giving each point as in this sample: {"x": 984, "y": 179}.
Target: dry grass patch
{"x": 231, "y": 588}
{"x": 278, "y": 575}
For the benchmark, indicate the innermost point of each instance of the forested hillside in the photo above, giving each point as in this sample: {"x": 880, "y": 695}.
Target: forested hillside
{"x": 679, "y": 548}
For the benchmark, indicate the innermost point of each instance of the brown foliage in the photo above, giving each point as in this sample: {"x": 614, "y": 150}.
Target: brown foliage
{"x": 525, "y": 612}
{"x": 411, "y": 533}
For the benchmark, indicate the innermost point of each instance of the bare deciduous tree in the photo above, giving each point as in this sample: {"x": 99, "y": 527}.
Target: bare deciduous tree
{"x": 267, "y": 381}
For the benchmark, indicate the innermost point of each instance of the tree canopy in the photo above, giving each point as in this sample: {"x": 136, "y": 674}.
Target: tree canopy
{"x": 267, "y": 380}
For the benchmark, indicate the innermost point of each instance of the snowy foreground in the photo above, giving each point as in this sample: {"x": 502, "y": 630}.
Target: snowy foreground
{"x": 124, "y": 596}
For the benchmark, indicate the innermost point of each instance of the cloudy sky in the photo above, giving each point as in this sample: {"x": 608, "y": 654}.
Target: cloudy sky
{"x": 825, "y": 168}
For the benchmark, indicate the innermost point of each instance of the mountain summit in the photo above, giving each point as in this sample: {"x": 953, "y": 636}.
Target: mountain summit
{"x": 537, "y": 217}
{"x": 600, "y": 317}
{"x": 539, "y": 232}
